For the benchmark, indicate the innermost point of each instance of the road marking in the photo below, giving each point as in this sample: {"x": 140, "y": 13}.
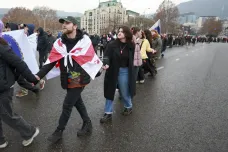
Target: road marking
{"x": 186, "y": 54}
{"x": 177, "y": 59}
{"x": 160, "y": 68}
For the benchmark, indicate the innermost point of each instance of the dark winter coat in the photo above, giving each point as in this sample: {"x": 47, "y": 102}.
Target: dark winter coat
{"x": 104, "y": 42}
{"x": 95, "y": 39}
{"x": 31, "y": 28}
{"x": 164, "y": 44}
{"x": 157, "y": 45}
{"x": 51, "y": 40}
{"x": 11, "y": 66}
{"x": 42, "y": 44}
{"x": 112, "y": 58}
{"x": 70, "y": 43}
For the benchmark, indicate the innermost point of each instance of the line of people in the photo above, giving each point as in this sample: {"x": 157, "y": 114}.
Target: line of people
{"x": 126, "y": 60}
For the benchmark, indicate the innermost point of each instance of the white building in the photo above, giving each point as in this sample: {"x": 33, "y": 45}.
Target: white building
{"x": 201, "y": 20}
{"x": 107, "y": 17}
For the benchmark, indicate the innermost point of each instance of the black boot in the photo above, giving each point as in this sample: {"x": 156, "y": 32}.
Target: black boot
{"x": 127, "y": 111}
{"x": 56, "y": 136}
{"x": 86, "y": 129}
{"x": 106, "y": 118}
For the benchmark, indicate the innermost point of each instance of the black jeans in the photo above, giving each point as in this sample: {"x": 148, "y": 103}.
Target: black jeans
{"x": 11, "y": 119}
{"x": 101, "y": 50}
{"x": 42, "y": 57}
{"x": 72, "y": 99}
{"x": 141, "y": 74}
{"x": 24, "y": 84}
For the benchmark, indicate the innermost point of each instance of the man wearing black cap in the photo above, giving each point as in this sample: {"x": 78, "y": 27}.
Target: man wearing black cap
{"x": 73, "y": 79}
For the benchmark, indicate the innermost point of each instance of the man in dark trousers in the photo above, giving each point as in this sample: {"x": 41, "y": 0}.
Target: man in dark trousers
{"x": 42, "y": 46}
{"x": 73, "y": 79}
{"x": 11, "y": 66}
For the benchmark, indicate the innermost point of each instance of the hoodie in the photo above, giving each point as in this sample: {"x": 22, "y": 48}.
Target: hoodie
{"x": 31, "y": 28}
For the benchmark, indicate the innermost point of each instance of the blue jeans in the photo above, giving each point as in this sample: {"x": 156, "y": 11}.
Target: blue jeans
{"x": 123, "y": 85}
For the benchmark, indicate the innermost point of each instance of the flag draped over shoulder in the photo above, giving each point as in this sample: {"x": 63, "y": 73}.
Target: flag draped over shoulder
{"x": 19, "y": 43}
{"x": 157, "y": 26}
{"x": 83, "y": 53}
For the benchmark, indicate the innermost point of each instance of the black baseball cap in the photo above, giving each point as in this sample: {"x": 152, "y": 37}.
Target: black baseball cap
{"x": 70, "y": 19}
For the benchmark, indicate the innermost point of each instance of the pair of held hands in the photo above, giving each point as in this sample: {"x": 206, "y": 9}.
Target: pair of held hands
{"x": 37, "y": 77}
{"x": 154, "y": 51}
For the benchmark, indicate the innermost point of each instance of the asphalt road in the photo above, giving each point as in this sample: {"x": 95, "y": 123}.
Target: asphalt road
{"x": 183, "y": 109}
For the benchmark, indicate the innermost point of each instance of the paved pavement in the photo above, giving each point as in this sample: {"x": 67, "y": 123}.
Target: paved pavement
{"x": 184, "y": 109}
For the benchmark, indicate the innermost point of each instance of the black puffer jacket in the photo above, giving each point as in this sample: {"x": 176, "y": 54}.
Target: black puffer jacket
{"x": 51, "y": 40}
{"x": 10, "y": 65}
{"x": 42, "y": 45}
{"x": 70, "y": 43}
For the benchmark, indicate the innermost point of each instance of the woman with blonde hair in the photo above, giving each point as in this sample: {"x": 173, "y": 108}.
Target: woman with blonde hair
{"x": 145, "y": 49}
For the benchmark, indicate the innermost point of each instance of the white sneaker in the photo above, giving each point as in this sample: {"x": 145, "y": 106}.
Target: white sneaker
{"x": 137, "y": 82}
{"x": 29, "y": 141}
{"x": 142, "y": 81}
{"x": 4, "y": 145}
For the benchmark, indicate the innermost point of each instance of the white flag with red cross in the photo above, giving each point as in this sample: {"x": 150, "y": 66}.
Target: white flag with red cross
{"x": 83, "y": 53}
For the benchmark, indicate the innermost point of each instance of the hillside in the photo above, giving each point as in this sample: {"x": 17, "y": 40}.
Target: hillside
{"x": 205, "y": 7}
{"x": 64, "y": 14}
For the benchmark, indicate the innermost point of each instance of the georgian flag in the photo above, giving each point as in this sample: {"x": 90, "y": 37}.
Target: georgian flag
{"x": 83, "y": 53}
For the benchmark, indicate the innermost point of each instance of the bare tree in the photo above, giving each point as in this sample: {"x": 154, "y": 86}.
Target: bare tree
{"x": 40, "y": 16}
{"x": 168, "y": 13}
{"x": 212, "y": 27}
{"x": 47, "y": 18}
{"x": 140, "y": 21}
{"x": 20, "y": 15}
{"x": 114, "y": 21}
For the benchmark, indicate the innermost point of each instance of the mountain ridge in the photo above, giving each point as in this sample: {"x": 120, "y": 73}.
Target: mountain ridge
{"x": 205, "y": 7}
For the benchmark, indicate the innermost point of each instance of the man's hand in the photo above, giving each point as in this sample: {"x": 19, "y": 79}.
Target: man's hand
{"x": 105, "y": 67}
{"x": 37, "y": 77}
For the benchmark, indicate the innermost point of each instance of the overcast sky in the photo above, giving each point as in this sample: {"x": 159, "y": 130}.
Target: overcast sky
{"x": 82, "y": 5}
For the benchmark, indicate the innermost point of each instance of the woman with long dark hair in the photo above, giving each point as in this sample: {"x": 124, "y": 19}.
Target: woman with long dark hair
{"x": 118, "y": 61}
